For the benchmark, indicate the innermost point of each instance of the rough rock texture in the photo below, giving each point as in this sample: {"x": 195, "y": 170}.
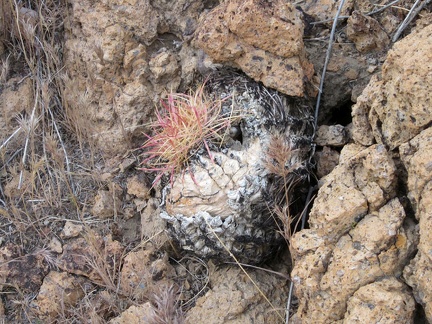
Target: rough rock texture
{"x": 135, "y": 314}
{"x": 366, "y": 33}
{"x": 224, "y": 204}
{"x": 326, "y": 161}
{"x": 348, "y": 265}
{"x": 25, "y": 272}
{"x": 234, "y": 298}
{"x": 417, "y": 158}
{"x": 387, "y": 111}
{"x": 58, "y": 292}
{"x": 144, "y": 273}
{"x": 107, "y": 204}
{"x": 347, "y": 194}
{"x": 91, "y": 256}
{"x": 388, "y": 301}
{"x": 327, "y": 274}
{"x": 331, "y": 135}
{"x": 120, "y": 57}
{"x": 264, "y": 39}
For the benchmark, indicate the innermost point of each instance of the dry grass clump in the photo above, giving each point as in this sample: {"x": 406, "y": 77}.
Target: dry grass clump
{"x": 185, "y": 122}
{"x": 279, "y": 154}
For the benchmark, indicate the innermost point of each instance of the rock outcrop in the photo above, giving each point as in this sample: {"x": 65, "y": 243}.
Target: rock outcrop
{"x": 393, "y": 109}
{"x": 353, "y": 263}
{"x": 264, "y": 39}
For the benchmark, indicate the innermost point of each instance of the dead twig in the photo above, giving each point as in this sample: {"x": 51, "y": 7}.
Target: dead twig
{"x": 409, "y": 18}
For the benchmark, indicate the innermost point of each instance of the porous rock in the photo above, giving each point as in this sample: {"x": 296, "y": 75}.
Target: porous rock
{"x": 331, "y": 135}
{"x": 347, "y": 194}
{"x": 326, "y": 274}
{"x": 416, "y": 156}
{"x": 387, "y": 301}
{"x": 120, "y": 57}
{"x": 235, "y": 299}
{"x": 143, "y": 273}
{"x": 366, "y": 33}
{"x": 392, "y": 110}
{"x": 264, "y": 39}
{"x": 58, "y": 290}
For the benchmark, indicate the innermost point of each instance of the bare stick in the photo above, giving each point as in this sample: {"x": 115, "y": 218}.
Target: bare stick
{"x": 30, "y": 130}
{"x": 412, "y": 13}
{"x": 10, "y": 137}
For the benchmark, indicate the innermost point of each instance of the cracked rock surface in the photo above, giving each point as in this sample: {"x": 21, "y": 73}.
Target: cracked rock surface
{"x": 364, "y": 255}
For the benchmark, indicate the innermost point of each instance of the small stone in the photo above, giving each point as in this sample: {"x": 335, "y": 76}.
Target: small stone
{"x": 71, "y": 229}
{"x": 333, "y": 135}
{"x": 55, "y": 245}
{"x": 137, "y": 187}
{"x": 106, "y": 204}
{"x": 326, "y": 160}
{"x": 136, "y": 314}
{"x": 59, "y": 290}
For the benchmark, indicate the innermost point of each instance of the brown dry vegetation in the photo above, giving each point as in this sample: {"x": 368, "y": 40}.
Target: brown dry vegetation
{"x": 50, "y": 173}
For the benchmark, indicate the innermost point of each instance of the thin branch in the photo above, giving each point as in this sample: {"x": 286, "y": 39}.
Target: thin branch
{"x": 409, "y": 18}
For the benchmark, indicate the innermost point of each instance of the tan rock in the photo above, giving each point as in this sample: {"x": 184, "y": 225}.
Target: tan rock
{"x": 388, "y": 111}
{"x": 264, "y": 39}
{"x": 111, "y": 86}
{"x": 366, "y": 33}
{"x": 235, "y": 299}
{"x": 387, "y": 301}
{"x": 326, "y": 161}
{"x": 135, "y": 314}
{"x": 71, "y": 229}
{"x": 347, "y": 195}
{"x": 143, "y": 272}
{"x": 107, "y": 204}
{"x": 58, "y": 291}
{"x": 136, "y": 186}
{"x": 55, "y": 245}
{"x": 331, "y": 135}
{"x": 152, "y": 225}
{"x": 378, "y": 246}
{"x": 416, "y": 156}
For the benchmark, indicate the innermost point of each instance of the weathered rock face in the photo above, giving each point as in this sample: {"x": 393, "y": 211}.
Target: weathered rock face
{"x": 58, "y": 291}
{"x": 417, "y": 158}
{"x": 326, "y": 275}
{"x": 264, "y": 39}
{"x": 223, "y": 205}
{"x": 388, "y": 111}
{"x": 348, "y": 265}
{"x": 387, "y": 301}
{"x": 235, "y": 299}
{"x": 347, "y": 194}
{"x": 120, "y": 57}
